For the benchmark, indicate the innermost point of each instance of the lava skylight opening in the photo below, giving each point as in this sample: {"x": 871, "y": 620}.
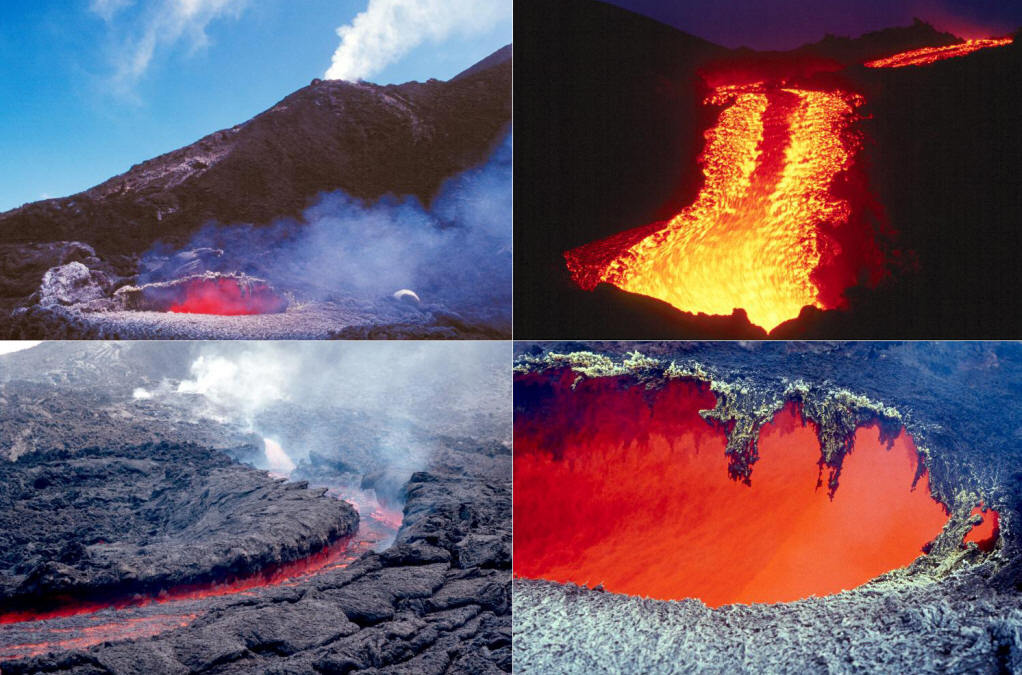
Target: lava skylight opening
{"x": 629, "y": 488}
{"x": 753, "y": 239}
{"x": 985, "y": 533}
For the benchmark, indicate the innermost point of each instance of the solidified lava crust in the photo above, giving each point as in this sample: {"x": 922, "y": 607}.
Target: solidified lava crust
{"x": 432, "y": 595}
{"x": 73, "y": 534}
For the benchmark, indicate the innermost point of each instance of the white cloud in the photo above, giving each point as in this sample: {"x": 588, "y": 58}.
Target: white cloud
{"x": 389, "y": 29}
{"x": 160, "y": 25}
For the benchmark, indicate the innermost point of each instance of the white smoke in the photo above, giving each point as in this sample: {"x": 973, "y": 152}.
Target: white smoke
{"x": 389, "y": 29}
{"x": 141, "y": 394}
{"x": 8, "y": 346}
{"x": 455, "y": 254}
{"x": 277, "y": 461}
{"x": 239, "y": 386}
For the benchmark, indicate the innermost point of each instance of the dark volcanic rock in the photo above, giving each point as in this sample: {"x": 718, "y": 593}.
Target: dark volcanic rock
{"x": 365, "y": 139}
{"x": 437, "y": 600}
{"x": 114, "y": 521}
{"x": 406, "y": 610}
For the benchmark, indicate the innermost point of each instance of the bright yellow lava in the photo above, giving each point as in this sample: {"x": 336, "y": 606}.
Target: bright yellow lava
{"x": 750, "y": 238}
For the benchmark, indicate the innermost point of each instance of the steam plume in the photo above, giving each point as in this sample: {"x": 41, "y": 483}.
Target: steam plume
{"x": 456, "y": 254}
{"x": 389, "y": 29}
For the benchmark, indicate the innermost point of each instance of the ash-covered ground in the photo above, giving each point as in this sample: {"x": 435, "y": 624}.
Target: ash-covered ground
{"x": 222, "y": 507}
{"x": 347, "y": 210}
{"x": 954, "y": 609}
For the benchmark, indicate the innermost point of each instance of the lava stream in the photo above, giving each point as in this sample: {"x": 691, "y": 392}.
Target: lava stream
{"x": 769, "y": 231}
{"x": 927, "y": 55}
{"x": 751, "y": 238}
{"x": 337, "y": 555}
{"x": 79, "y": 624}
{"x": 629, "y": 487}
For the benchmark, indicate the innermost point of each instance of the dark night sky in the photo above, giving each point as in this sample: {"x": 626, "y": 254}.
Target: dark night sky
{"x": 784, "y": 24}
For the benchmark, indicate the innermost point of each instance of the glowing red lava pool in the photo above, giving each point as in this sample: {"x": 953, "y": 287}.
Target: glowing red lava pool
{"x": 628, "y": 487}
{"x": 210, "y": 293}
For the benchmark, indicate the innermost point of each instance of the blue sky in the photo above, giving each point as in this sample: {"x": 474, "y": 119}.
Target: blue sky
{"x": 90, "y": 87}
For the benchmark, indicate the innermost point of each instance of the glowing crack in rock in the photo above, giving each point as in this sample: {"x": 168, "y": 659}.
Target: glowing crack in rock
{"x": 751, "y": 238}
{"x": 78, "y": 624}
{"x": 928, "y": 55}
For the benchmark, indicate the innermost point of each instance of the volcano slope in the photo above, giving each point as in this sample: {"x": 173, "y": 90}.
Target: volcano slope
{"x": 950, "y": 603}
{"x": 258, "y": 186}
{"x": 91, "y": 468}
{"x": 638, "y": 222}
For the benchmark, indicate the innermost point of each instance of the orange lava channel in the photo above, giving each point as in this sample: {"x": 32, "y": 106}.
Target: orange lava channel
{"x": 633, "y": 492}
{"x": 927, "y": 55}
{"x": 750, "y": 239}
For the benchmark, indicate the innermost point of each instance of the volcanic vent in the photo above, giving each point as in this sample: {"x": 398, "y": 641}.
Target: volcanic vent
{"x": 663, "y": 491}
{"x": 209, "y": 293}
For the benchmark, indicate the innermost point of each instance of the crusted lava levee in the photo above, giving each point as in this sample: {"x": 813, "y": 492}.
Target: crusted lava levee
{"x": 437, "y": 601}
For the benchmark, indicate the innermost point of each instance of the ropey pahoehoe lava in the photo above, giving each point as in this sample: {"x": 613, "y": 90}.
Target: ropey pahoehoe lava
{"x": 804, "y": 487}
{"x": 241, "y": 507}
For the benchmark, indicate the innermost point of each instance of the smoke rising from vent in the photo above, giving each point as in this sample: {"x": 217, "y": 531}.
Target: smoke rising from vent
{"x": 455, "y": 254}
{"x": 369, "y": 405}
{"x": 389, "y": 29}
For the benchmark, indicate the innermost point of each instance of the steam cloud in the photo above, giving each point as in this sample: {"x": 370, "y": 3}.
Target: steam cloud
{"x": 389, "y": 29}
{"x": 457, "y": 253}
{"x": 401, "y": 388}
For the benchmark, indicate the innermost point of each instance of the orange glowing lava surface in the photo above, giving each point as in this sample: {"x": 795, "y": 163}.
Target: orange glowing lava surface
{"x": 927, "y": 55}
{"x": 751, "y": 238}
{"x": 78, "y": 624}
{"x": 226, "y": 297}
{"x": 629, "y": 488}
{"x": 80, "y": 638}
{"x": 335, "y": 556}
{"x": 986, "y": 532}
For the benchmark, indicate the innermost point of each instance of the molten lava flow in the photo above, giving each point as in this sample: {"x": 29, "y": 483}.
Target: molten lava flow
{"x": 986, "y": 532}
{"x": 629, "y": 487}
{"x": 225, "y": 296}
{"x": 143, "y": 616}
{"x": 927, "y": 55}
{"x": 751, "y": 239}
{"x": 337, "y": 555}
